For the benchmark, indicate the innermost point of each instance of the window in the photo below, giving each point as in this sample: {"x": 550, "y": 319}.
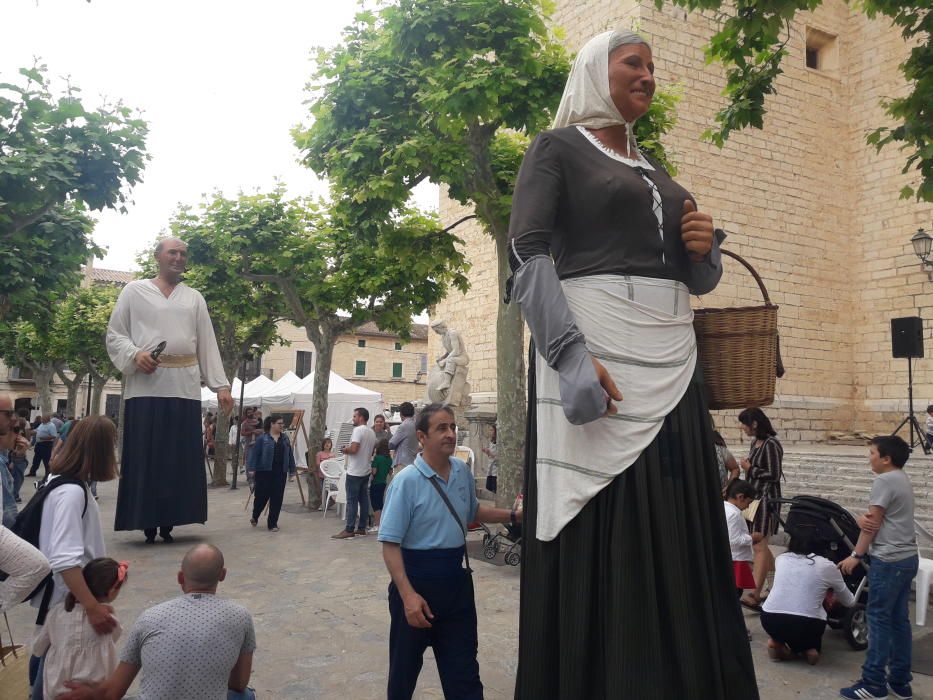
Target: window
{"x": 253, "y": 368}
{"x": 361, "y": 366}
{"x": 303, "y": 363}
{"x": 396, "y": 370}
{"x": 61, "y": 406}
{"x": 112, "y": 406}
{"x": 361, "y": 343}
{"x": 822, "y": 51}
{"x": 398, "y": 345}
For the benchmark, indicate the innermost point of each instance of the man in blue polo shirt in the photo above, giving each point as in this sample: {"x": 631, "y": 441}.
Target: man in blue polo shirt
{"x": 431, "y": 599}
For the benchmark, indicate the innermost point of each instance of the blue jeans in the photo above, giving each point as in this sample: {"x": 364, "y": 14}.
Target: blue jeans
{"x": 889, "y": 636}
{"x": 357, "y": 500}
{"x": 19, "y": 474}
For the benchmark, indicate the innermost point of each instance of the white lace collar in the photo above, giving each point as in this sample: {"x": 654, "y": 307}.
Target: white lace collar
{"x": 640, "y": 162}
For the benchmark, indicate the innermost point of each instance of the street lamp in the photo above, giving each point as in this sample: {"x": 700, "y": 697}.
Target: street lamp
{"x": 923, "y": 243}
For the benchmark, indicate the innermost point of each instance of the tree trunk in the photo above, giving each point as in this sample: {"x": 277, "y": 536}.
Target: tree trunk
{"x": 96, "y": 393}
{"x": 318, "y": 423}
{"x": 72, "y": 385}
{"x": 43, "y": 377}
{"x": 511, "y": 396}
{"x": 222, "y": 447}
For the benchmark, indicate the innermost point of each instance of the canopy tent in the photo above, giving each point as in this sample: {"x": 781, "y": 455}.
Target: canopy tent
{"x": 342, "y": 398}
{"x": 252, "y": 392}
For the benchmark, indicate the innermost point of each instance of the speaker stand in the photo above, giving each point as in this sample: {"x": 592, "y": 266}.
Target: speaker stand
{"x": 917, "y": 436}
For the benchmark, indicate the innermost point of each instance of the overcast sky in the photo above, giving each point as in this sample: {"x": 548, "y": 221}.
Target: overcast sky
{"x": 220, "y": 82}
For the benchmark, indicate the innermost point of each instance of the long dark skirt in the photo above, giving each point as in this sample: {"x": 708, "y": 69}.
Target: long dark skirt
{"x": 635, "y": 598}
{"x": 162, "y": 478}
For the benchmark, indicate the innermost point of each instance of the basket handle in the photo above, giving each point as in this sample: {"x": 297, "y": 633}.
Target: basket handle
{"x": 748, "y": 266}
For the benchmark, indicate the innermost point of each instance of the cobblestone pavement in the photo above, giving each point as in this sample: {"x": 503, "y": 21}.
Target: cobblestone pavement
{"x": 321, "y": 617}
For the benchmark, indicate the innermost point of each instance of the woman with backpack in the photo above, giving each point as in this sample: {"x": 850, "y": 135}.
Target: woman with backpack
{"x": 70, "y": 533}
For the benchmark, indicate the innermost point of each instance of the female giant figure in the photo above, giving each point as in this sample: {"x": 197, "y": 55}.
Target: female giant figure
{"x": 627, "y": 588}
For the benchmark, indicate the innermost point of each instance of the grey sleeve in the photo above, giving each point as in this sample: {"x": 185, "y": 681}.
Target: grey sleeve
{"x": 703, "y": 276}
{"x": 132, "y": 645}
{"x": 537, "y": 290}
{"x": 881, "y": 493}
{"x": 249, "y": 639}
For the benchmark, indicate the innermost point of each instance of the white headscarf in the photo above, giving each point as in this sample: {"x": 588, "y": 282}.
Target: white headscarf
{"x": 586, "y": 100}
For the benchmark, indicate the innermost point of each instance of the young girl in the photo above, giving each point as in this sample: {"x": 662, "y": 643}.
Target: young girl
{"x": 381, "y": 466}
{"x": 738, "y": 497}
{"x": 73, "y": 650}
{"x": 70, "y": 533}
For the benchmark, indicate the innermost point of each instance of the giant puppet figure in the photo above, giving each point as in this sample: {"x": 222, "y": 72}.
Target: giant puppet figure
{"x": 162, "y": 481}
{"x": 627, "y": 584}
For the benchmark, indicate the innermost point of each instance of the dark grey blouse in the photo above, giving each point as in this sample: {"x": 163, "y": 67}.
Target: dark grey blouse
{"x": 593, "y": 214}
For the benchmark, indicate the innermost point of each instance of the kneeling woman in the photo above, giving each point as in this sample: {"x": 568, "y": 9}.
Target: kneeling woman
{"x": 271, "y": 458}
{"x": 793, "y": 614}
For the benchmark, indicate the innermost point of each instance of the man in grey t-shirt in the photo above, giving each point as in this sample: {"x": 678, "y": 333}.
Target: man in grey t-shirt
{"x": 404, "y": 440}
{"x": 196, "y": 646}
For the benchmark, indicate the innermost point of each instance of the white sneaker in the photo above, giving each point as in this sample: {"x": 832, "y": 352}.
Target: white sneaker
{"x": 372, "y": 530}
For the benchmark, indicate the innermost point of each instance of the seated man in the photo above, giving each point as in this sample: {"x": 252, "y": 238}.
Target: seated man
{"x": 196, "y": 646}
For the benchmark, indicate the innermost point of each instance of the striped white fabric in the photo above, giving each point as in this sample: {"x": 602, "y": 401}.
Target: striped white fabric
{"x": 641, "y": 330}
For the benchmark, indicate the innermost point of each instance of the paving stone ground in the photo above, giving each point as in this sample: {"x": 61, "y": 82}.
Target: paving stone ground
{"x": 321, "y": 616}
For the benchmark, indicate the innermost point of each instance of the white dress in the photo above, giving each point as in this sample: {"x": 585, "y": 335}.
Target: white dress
{"x": 142, "y": 318}
{"x": 73, "y": 650}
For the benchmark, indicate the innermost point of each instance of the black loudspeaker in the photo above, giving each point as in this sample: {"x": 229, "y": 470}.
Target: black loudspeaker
{"x": 907, "y": 337}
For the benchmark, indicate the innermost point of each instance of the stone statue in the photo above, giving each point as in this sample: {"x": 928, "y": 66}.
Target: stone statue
{"x": 447, "y": 380}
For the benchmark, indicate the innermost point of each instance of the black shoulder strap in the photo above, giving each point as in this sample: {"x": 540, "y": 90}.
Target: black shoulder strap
{"x": 453, "y": 513}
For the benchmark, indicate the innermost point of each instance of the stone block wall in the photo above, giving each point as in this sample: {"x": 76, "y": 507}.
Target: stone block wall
{"x": 805, "y": 200}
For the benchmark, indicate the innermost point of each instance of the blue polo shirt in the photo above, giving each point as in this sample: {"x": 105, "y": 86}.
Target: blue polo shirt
{"x": 416, "y": 517}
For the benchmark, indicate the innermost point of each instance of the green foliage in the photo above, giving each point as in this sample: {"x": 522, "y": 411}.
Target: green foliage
{"x": 79, "y": 330}
{"x": 243, "y": 314}
{"x": 42, "y": 261}
{"x": 28, "y": 344}
{"x": 361, "y": 260}
{"x": 58, "y": 160}
{"x": 751, "y": 43}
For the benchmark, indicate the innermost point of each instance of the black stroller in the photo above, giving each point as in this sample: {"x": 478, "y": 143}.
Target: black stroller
{"x": 834, "y": 532}
{"x": 508, "y": 540}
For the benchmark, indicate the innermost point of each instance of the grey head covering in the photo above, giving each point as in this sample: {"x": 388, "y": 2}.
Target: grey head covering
{"x": 586, "y": 100}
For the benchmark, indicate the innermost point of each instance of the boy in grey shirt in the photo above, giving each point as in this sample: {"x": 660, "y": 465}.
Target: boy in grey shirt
{"x": 888, "y": 536}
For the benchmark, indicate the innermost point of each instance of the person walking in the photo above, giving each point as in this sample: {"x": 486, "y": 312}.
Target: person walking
{"x": 271, "y": 459}
{"x": 404, "y": 441}
{"x": 46, "y": 434}
{"x": 359, "y": 468}
{"x": 423, "y": 536}
{"x": 162, "y": 480}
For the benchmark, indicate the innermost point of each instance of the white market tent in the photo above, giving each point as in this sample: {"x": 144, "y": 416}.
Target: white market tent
{"x": 342, "y": 398}
{"x": 252, "y": 392}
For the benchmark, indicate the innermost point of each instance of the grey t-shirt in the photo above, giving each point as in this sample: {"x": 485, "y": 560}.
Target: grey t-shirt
{"x": 188, "y": 646}
{"x": 897, "y": 538}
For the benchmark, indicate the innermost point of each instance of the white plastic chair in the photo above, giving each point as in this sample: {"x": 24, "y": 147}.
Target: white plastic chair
{"x": 335, "y": 485}
{"x": 924, "y": 579}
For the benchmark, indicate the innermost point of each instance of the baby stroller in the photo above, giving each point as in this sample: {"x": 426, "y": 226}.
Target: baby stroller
{"x": 508, "y": 540}
{"x": 834, "y": 533}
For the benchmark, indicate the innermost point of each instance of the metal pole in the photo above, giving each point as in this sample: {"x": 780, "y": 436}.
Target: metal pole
{"x": 239, "y": 423}
{"x": 910, "y": 399}
{"x": 87, "y": 407}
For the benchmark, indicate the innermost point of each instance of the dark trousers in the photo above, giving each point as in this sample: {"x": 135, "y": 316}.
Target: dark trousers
{"x": 43, "y": 453}
{"x": 150, "y": 532}
{"x": 796, "y": 631}
{"x": 452, "y": 635}
{"x": 269, "y": 488}
{"x": 357, "y": 502}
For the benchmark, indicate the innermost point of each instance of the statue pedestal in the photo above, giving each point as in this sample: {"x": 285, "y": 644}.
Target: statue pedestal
{"x": 481, "y": 419}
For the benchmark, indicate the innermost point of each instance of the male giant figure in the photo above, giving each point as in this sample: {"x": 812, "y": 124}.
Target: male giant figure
{"x": 162, "y": 480}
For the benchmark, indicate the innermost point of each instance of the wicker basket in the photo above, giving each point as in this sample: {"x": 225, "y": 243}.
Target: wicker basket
{"x": 738, "y": 351}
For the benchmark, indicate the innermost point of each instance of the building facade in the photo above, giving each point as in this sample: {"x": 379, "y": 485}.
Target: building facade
{"x": 805, "y": 200}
